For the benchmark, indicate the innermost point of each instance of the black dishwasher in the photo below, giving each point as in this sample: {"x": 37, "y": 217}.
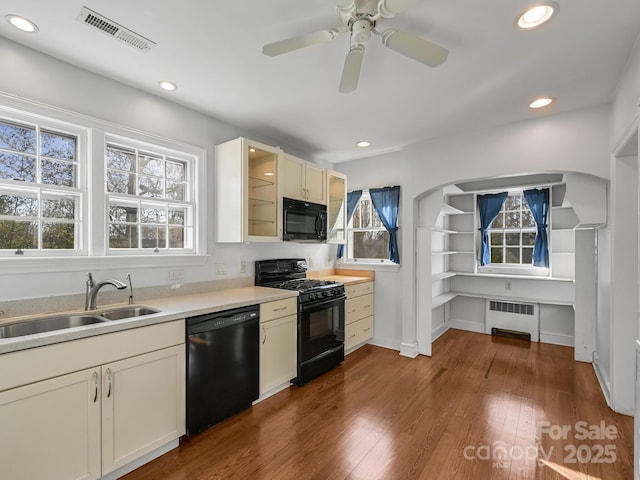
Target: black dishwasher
{"x": 223, "y": 358}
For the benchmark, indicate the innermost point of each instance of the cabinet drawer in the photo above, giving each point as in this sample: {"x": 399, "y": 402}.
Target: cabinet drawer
{"x": 277, "y": 309}
{"x": 358, "y": 332}
{"x": 357, "y": 308}
{"x": 358, "y": 289}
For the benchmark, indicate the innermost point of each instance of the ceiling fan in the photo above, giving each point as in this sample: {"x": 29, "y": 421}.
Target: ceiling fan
{"x": 358, "y": 18}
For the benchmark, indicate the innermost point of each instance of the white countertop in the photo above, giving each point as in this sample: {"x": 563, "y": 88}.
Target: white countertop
{"x": 171, "y": 308}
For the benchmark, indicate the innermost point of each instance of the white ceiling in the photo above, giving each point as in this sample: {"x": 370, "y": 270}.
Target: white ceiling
{"x": 212, "y": 50}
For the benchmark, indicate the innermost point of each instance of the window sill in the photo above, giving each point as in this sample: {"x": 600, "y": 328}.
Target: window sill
{"x": 27, "y": 265}
{"x": 378, "y": 266}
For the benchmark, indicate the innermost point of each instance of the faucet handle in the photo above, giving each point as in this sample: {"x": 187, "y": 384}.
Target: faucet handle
{"x": 131, "y": 299}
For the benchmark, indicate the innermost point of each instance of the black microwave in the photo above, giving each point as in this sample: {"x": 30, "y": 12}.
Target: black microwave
{"x": 304, "y": 221}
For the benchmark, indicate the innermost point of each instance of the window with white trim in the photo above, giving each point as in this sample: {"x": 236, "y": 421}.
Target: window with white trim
{"x": 513, "y": 233}
{"x": 150, "y": 198}
{"x": 41, "y": 194}
{"x": 367, "y": 239}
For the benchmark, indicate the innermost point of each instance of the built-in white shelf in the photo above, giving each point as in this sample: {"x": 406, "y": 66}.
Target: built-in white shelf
{"x": 447, "y": 209}
{"x": 450, "y": 232}
{"x": 442, "y": 276}
{"x": 449, "y": 252}
{"x": 440, "y": 300}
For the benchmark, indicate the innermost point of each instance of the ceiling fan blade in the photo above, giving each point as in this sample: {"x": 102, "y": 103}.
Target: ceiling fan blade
{"x": 345, "y": 6}
{"x": 390, "y": 8}
{"x": 412, "y": 46}
{"x": 295, "y": 43}
{"x": 351, "y": 69}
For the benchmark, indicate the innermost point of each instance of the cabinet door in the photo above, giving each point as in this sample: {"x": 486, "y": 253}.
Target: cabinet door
{"x": 316, "y": 183}
{"x": 50, "y": 430}
{"x": 143, "y": 405}
{"x": 336, "y": 207}
{"x": 292, "y": 176}
{"x": 278, "y": 351}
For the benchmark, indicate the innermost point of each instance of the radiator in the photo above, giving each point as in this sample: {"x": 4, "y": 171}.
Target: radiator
{"x": 519, "y": 317}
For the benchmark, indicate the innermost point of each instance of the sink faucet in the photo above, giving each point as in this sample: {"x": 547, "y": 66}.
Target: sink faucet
{"x": 93, "y": 288}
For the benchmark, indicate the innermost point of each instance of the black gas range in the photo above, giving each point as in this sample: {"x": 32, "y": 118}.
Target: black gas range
{"x": 320, "y": 314}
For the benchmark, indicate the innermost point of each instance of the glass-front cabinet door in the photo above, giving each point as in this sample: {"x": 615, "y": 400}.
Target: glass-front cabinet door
{"x": 336, "y": 207}
{"x": 247, "y": 199}
{"x": 262, "y": 193}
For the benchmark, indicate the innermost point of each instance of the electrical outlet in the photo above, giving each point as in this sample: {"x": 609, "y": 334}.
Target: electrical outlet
{"x": 310, "y": 262}
{"x": 221, "y": 269}
{"x": 176, "y": 274}
{"x": 507, "y": 285}
{"x": 243, "y": 264}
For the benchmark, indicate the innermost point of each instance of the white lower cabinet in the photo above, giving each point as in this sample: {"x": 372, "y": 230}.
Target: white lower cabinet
{"x": 142, "y": 405}
{"x": 278, "y": 344}
{"x": 51, "y": 429}
{"x": 358, "y": 314}
{"x": 87, "y": 424}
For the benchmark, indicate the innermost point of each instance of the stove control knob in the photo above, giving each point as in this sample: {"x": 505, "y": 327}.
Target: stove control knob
{"x": 325, "y": 293}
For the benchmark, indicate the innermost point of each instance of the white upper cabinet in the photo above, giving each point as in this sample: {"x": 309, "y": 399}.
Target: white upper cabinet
{"x": 247, "y": 197}
{"x": 302, "y": 180}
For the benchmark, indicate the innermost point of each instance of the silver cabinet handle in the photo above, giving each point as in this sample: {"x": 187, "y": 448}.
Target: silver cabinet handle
{"x": 367, "y": 306}
{"x": 367, "y": 329}
{"x": 352, "y": 335}
{"x": 109, "y": 378}
{"x": 280, "y": 309}
{"x": 95, "y": 381}
{"x": 264, "y": 335}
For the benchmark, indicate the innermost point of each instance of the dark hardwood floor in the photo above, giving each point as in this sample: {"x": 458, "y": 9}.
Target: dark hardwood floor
{"x": 480, "y": 408}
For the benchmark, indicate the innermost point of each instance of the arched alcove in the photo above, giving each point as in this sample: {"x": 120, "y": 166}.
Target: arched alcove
{"x": 447, "y": 277}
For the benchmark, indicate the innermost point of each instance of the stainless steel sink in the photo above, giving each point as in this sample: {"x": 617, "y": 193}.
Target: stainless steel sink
{"x": 47, "y": 324}
{"x": 128, "y": 312}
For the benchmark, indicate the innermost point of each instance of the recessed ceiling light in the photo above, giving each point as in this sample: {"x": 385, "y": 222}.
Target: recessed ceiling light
{"x": 251, "y": 149}
{"x": 537, "y": 15}
{"x": 363, "y": 144}
{"x": 168, "y": 86}
{"x": 541, "y": 102}
{"x": 22, "y": 23}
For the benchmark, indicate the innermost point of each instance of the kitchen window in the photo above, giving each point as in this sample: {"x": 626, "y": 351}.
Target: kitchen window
{"x": 41, "y": 194}
{"x": 367, "y": 238}
{"x": 150, "y": 199}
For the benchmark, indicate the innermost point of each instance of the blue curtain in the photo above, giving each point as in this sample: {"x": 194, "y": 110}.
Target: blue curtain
{"x": 385, "y": 201}
{"x": 352, "y": 201}
{"x": 489, "y": 206}
{"x": 538, "y": 200}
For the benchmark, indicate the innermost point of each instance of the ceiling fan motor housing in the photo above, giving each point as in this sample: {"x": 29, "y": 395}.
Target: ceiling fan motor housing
{"x": 361, "y": 30}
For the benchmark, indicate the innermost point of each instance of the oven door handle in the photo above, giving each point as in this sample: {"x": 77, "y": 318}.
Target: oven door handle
{"x": 321, "y": 303}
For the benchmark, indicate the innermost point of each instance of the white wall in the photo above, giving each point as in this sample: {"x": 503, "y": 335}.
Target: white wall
{"x": 573, "y": 142}
{"x": 37, "y": 77}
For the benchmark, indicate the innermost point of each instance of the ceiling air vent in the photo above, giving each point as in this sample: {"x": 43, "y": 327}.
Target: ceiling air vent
{"x": 114, "y": 30}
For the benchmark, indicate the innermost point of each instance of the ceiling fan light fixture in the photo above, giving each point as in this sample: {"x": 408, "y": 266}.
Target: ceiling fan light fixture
{"x": 167, "y": 85}
{"x": 537, "y": 15}
{"x": 541, "y": 102}
{"x": 363, "y": 144}
{"x": 22, "y": 23}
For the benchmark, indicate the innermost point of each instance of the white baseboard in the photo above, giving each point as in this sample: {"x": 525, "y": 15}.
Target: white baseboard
{"x": 438, "y": 331}
{"x": 557, "y": 339}
{"x": 603, "y": 380}
{"x": 409, "y": 350}
{"x": 386, "y": 342}
{"x": 466, "y": 325}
